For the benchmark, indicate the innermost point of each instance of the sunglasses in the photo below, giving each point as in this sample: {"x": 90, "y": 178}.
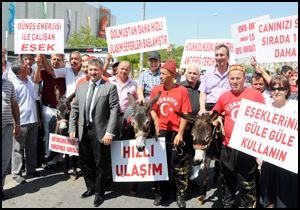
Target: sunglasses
{"x": 278, "y": 88}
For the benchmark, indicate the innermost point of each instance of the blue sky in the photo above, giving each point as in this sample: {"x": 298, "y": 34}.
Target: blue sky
{"x": 203, "y": 20}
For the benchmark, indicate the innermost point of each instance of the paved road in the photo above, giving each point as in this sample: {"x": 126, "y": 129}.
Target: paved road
{"x": 54, "y": 190}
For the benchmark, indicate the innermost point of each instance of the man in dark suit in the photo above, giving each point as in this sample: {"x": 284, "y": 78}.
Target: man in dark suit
{"x": 96, "y": 105}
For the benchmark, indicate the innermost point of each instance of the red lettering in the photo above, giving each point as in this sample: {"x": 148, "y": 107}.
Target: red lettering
{"x": 286, "y": 52}
{"x": 126, "y": 151}
{"x": 39, "y": 47}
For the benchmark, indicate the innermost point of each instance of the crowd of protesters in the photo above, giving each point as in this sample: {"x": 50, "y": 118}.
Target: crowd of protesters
{"x": 101, "y": 103}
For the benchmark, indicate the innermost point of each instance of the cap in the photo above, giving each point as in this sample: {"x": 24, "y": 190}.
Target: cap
{"x": 90, "y": 58}
{"x": 154, "y": 55}
{"x": 115, "y": 64}
{"x": 237, "y": 67}
{"x": 170, "y": 65}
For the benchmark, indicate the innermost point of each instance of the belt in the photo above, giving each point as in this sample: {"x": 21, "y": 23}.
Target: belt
{"x": 49, "y": 105}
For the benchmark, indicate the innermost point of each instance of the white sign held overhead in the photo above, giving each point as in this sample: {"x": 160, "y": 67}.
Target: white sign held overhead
{"x": 201, "y": 52}
{"x": 277, "y": 40}
{"x": 132, "y": 38}
{"x": 267, "y": 133}
{"x": 44, "y": 36}
{"x": 243, "y": 37}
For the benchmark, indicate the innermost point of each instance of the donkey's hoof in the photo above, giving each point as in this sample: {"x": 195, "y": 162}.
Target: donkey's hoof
{"x": 132, "y": 193}
{"x": 201, "y": 200}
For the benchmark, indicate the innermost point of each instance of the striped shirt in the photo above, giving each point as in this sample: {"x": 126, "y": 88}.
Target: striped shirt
{"x": 148, "y": 80}
{"x": 8, "y": 95}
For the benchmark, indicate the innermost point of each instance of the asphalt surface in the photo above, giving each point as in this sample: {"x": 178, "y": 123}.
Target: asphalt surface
{"x": 55, "y": 190}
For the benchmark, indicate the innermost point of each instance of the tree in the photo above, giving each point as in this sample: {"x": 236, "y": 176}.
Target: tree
{"x": 83, "y": 38}
{"x": 134, "y": 59}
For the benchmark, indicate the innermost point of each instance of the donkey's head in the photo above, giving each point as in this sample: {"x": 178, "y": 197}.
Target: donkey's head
{"x": 141, "y": 120}
{"x": 63, "y": 110}
{"x": 202, "y": 132}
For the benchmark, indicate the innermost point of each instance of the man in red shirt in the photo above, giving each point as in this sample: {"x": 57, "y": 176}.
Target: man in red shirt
{"x": 173, "y": 98}
{"x": 236, "y": 167}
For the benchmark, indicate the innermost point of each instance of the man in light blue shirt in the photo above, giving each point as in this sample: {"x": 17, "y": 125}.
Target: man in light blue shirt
{"x": 149, "y": 78}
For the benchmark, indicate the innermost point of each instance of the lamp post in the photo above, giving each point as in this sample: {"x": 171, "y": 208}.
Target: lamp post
{"x": 141, "y": 54}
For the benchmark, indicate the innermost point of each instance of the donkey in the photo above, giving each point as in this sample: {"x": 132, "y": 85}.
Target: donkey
{"x": 62, "y": 125}
{"x": 207, "y": 140}
{"x": 139, "y": 126}
{"x": 141, "y": 122}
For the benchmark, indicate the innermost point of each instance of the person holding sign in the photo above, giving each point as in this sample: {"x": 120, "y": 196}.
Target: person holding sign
{"x": 150, "y": 78}
{"x": 26, "y": 143}
{"x": 236, "y": 167}
{"x": 71, "y": 74}
{"x": 283, "y": 182}
{"x": 96, "y": 105}
{"x": 173, "y": 98}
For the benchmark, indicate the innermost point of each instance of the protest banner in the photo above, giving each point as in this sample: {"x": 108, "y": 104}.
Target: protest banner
{"x": 277, "y": 40}
{"x": 267, "y": 133}
{"x": 34, "y": 36}
{"x": 130, "y": 165}
{"x": 137, "y": 37}
{"x": 243, "y": 37}
{"x": 201, "y": 52}
{"x": 63, "y": 144}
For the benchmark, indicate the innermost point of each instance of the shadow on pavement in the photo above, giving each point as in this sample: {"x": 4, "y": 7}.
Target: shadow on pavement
{"x": 33, "y": 186}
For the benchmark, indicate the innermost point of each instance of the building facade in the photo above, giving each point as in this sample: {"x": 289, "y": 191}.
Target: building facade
{"x": 75, "y": 15}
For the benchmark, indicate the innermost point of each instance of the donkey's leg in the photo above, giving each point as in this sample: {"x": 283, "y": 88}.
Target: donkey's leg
{"x": 203, "y": 188}
{"x": 133, "y": 189}
{"x": 66, "y": 165}
{"x": 217, "y": 168}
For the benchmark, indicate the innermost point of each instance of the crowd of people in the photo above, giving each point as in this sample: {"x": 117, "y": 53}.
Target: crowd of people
{"x": 100, "y": 107}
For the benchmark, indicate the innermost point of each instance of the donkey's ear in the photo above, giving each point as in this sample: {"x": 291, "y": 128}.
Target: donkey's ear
{"x": 57, "y": 93}
{"x": 214, "y": 115}
{"x": 153, "y": 101}
{"x": 189, "y": 117}
{"x": 131, "y": 100}
{"x": 70, "y": 98}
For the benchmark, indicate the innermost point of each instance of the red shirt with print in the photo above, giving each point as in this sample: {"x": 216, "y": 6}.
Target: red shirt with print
{"x": 176, "y": 99}
{"x": 229, "y": 103}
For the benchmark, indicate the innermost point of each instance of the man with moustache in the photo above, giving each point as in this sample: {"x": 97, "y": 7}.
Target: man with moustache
{"x": 238, "y": 169}
{"x": 48, "y": 97}
{"x": 168, "y": 124}
{"x": 71, "y": 74}
{"x": 96, "y": 106}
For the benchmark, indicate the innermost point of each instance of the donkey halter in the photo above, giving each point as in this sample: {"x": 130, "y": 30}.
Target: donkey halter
{"x": 205, "y": 147}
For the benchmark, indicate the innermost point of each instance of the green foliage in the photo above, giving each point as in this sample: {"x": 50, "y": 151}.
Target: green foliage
{"x": 249, "y": 69}
{"x": 134, "y": 59}
{"x": 83, "y": 38}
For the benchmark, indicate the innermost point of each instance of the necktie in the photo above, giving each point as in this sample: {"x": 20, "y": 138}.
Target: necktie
{"x": 88, "y": 104}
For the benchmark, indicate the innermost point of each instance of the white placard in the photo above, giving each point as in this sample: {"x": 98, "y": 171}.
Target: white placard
{"x": 137, "y": 37}
{"x": 129, "y": 165}
{"x": 201, "y": 52}
{"x": 277, "y": 40}
{"x": 267, "y": 133}
{"x": 45, "y": 36}
{"x": 243, "y": 37}
{"x": 63, "y": 144}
